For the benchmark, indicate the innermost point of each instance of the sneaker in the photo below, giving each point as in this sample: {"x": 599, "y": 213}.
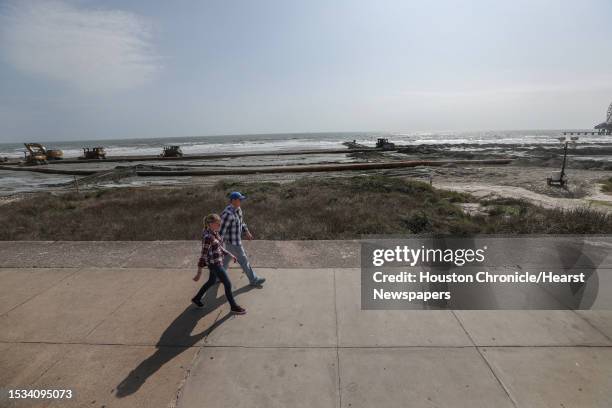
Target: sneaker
{"x": 197, "y": 302}
{"x": 258, "y": 282}
{"x": 239, "y": 310}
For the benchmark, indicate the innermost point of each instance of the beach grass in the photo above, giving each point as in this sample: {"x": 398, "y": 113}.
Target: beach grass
{"x": 310, "y": 208}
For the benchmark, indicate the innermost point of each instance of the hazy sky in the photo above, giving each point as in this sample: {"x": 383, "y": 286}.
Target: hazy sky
{"x": 115, "y": 69}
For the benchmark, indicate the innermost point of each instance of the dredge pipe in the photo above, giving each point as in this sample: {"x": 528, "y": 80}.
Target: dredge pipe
{"x": 318, "y": 168}
{"x": 46, "y": 170}
{"x": 276, "y": 169}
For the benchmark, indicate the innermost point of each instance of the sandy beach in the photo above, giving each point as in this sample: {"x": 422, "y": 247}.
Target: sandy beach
{"x": 460, "y": 192}
{"x": 524, "y": 178}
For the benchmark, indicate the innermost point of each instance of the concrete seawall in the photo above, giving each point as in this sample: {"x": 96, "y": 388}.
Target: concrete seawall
{"x": 112, "y": 321}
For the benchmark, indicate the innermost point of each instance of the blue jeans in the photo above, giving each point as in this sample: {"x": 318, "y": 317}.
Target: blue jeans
{"x": 241, "y": 257}
{"x": 218, "y": 273}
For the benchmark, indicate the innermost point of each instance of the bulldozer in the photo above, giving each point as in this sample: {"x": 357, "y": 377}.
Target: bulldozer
{"x": 93, "y": 153}
{"x": 38, "y": 154}
{"x": 384, "y": 144}
{"x": 171, "y": 151}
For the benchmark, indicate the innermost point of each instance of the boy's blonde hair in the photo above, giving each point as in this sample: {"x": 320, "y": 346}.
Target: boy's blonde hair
{"x": 211, "y": 218}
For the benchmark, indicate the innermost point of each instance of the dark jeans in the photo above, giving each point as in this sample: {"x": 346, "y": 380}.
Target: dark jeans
{"x": 218, "y": 272}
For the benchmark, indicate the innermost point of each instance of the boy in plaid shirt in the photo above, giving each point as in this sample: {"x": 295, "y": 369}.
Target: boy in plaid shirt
{"x": 212, "y": 256}
{"x": 232, "y": 228}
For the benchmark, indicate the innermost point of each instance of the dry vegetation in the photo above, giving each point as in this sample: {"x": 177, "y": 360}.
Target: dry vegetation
{"x": 307, "y": 209}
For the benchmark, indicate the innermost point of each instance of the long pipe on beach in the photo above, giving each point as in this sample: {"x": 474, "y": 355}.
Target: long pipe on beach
{"x": 276, "y": 169}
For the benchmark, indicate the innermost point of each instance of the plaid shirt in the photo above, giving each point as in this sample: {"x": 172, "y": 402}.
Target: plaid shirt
{"x": 212, "y": 249}
{"x": 232, "y": 225}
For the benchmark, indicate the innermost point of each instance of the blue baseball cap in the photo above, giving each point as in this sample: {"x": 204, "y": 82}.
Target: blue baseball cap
{"x": 237, "y": 195}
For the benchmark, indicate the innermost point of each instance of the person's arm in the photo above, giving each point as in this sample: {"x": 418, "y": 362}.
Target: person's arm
{"x": 225, "y": 251}
{"x": 245, "y": 229}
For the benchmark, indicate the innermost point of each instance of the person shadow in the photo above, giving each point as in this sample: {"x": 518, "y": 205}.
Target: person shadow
{"x": 175, "y": 339}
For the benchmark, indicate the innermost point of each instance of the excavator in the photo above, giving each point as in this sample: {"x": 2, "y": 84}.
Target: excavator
{"x": 171, "y": 151}
{"x": 384, "y": 144}
{"x": 38, "y": 154}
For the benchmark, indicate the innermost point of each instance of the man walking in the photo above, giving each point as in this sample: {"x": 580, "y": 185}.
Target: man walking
{"x": 232, "y": 228}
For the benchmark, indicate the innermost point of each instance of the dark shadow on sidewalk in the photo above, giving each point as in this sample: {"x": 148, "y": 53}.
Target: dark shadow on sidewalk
{"x": 175, "y": 339}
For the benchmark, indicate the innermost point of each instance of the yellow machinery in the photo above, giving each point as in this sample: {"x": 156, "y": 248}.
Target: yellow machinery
{"x": 38, "y": 154}
{"x": 55, "y": 154}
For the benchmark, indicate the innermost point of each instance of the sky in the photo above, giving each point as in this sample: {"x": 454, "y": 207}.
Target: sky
{"x": 77, "y": 70}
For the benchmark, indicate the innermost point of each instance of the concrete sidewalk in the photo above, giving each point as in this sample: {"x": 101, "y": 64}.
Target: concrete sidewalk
{"x": 112, "y": 322}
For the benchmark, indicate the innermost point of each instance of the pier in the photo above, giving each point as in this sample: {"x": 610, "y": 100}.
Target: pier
{"x": 604, "y": 128}
{"x": 585, "y": 132}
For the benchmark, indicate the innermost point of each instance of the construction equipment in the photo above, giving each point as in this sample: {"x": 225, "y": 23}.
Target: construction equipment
{"x": 38, "y": 154}
{"x": 171, "y": 151}
{"x": 384, "y": 144}
{"x": 93, "y": 153}
{"x": 55, "y": 154}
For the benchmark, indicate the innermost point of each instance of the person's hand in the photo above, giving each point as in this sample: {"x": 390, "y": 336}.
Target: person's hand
{"x": 198, "y": 274}
{"x": 249, "y": 236}
{"x": 234, "y": 258}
